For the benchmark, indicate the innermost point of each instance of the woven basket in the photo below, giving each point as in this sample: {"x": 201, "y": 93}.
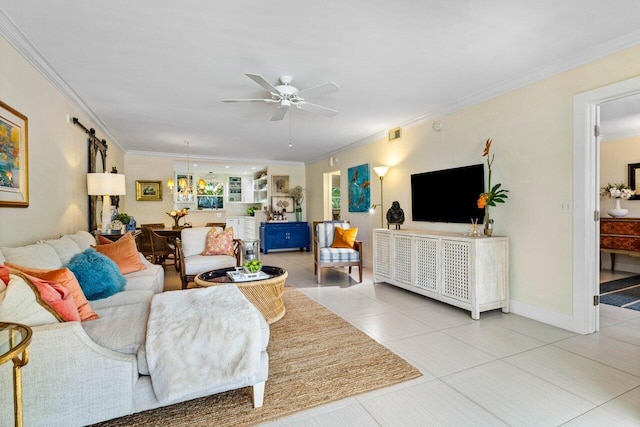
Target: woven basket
{"x": 266, "y": 295}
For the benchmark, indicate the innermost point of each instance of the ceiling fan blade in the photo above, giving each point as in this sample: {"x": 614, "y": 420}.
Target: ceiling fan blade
{"x": 248, "y": 100}
{"x": 262, "y": 82}
{"x": 323, "y": 89}
{"x": 279, "y": 114}
{"x": 314, "y": 108}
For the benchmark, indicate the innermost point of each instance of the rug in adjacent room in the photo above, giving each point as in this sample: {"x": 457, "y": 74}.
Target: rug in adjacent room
{"x": 622, "y": 292}
{"x": 315, "y": 357}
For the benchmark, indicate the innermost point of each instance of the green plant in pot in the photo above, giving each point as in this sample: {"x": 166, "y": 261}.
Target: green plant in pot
{"x": 123, "y": 218}
{"x": 251, "y": 211}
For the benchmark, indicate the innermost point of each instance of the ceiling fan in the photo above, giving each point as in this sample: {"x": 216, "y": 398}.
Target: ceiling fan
{"x": 286, "y": 96}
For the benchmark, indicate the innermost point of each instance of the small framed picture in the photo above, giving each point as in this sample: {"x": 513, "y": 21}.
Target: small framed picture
{"x": 279, "y": 183}
{"x": 149, "y": 190}
{"x": 282, "y": 204}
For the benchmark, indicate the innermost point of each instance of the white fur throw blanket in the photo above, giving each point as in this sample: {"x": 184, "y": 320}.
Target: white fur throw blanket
{"x": 198, "y": 339}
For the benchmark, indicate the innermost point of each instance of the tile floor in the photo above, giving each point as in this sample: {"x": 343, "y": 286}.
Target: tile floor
{"x": 501, "y": 370}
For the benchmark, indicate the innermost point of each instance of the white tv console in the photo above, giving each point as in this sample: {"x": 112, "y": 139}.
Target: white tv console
{"x": 468, "y": 272}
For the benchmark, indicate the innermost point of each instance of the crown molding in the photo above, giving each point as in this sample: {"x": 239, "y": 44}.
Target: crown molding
{"x": 229, "y": 160}
{"x": 566, "y": 63}
{"x": 16, "y": 38}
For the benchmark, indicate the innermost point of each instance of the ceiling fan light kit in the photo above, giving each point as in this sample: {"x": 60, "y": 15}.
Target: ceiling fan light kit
{"x": 286, "y": 96}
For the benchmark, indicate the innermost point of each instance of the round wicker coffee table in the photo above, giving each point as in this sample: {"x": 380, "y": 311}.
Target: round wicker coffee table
{"x": 266, "y": 294}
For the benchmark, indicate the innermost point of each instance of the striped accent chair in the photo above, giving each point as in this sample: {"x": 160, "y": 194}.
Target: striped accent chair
{"x": 326, "y": 256}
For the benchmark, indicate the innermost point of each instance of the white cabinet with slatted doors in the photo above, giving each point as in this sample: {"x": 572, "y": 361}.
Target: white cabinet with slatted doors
{"x": 468, "y": 272}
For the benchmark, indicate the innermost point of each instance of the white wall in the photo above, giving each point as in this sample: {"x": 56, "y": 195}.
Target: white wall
{"x": 57, "y": 156}
{"x": 531, "y": 130}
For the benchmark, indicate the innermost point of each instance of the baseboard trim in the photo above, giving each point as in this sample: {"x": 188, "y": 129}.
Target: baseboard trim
{"x": 553, "y": 318}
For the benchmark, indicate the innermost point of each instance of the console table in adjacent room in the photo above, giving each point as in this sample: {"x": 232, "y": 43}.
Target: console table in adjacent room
{"x": 284, "y": 235}
{"x": 468, "y": 272}
{"x": 620, "y": 236}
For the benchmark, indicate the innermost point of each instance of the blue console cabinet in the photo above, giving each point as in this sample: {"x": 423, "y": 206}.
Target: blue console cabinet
{"x": 284, "y": 235}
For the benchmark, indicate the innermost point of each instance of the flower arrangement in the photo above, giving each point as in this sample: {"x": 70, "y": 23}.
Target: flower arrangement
{"x": 177, "y": 214}
{"x": 496, "y": 194}
{"x": 297, "y": 193}
{"x": 617, "y": 190}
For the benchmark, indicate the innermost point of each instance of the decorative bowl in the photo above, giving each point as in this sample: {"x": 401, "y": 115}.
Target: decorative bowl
{"x": 250, "y": 267}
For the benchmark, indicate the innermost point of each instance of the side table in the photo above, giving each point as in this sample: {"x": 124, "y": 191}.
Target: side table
{"x": 14, "y": 345}
{"x": 265, "y": 294}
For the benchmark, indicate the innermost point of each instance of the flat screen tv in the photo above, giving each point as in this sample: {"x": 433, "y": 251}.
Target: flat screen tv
{"x": 448, "y": 195}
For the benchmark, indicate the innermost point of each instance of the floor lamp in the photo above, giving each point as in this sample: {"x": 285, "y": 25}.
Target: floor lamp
{"x": 105, "y": 185}
{"x": 381, "y": 171}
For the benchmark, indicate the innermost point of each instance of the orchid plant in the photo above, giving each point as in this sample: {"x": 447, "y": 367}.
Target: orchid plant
{"x": 496, "y": 194}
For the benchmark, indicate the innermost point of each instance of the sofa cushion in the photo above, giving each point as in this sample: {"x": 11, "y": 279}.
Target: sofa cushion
{"x": 325, "y": 231}
{"x": 219, "y": 242}
{"x": 65, "y": 247}
{"x": 37, "y": 256}
{"x": 197, "y": 264}
{"x": 99, "y": 277}
{"x": 124, "y": 298}
{"x": 124, "y": 253}
{"x": 66, "y": 278}
{"x": 122, "y": 328}
{"x": 151, "y": 278}
{"x": 20, "y": 302}
{"x": 193, "y": 240}
{"x": 339, "y": 255}
{"x": 83, "y": 239}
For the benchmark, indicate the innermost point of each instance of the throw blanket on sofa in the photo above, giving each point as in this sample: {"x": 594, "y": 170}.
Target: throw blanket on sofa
{"x": 198, "y": 339}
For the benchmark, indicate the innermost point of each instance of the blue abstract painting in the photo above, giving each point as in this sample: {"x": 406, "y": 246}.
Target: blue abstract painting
{"x": 359, "y": 188}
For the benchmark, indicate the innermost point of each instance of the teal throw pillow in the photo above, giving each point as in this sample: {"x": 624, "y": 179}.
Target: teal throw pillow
{"x": 98, "y": 275}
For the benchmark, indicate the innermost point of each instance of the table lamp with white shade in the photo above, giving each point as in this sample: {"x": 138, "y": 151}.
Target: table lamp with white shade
{"x": 105, "y": 185}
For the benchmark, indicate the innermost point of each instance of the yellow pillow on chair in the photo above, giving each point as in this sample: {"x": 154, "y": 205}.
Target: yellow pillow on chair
{"x": 344, "y": 238}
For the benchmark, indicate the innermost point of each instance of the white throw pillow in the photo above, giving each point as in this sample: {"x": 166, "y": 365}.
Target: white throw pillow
{"x": 83, "y": 239}
{"x": 65, "y": 247}
{"x": 34, "y": 256}
{"x": 19, "y": 304}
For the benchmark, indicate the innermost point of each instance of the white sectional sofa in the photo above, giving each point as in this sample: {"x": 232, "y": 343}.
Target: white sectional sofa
{"x": 81, "y": 373}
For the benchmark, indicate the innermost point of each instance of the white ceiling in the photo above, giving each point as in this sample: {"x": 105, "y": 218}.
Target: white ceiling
{"x": 153, "y": 73}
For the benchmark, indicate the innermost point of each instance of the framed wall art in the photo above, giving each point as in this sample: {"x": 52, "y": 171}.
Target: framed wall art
{"x": 14, "y": 164}
{"x": 148, "y": 190}
{"x": 359, "y": 188}
{"x": 282, "y": 204}
{"x": 280, "y": 183}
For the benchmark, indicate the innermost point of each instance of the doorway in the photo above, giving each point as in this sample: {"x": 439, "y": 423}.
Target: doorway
{"x": 619, "y": 161}
{"x": 332, "y": 196}
{"x": 586, "y": 201}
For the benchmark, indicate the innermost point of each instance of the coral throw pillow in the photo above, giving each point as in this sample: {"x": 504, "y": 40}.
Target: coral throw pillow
{"x": 219, "y": 242}
{"x": 64, "y": 277}
{"x": 123, "y": 252}
{"x": 98, "y": 275}
{"x": 344, "y": 238}
{"x": 21, "y": 302}
{"x": 58, "y": 297}
{"x": 52, "y": 296}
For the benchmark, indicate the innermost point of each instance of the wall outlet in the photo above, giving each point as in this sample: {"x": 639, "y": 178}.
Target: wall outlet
{"x": 566, "y": 206}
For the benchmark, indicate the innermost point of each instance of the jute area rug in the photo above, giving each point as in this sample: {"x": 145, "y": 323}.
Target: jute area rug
{"x": 315, "y": 357}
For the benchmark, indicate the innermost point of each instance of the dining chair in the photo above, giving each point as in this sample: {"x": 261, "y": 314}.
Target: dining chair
{"x": 163, "y": 248}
